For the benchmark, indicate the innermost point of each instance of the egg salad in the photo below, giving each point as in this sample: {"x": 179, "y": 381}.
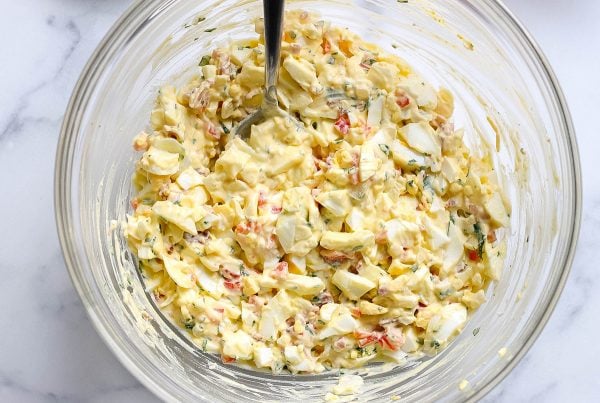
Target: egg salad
{"x": 360, "y": 230}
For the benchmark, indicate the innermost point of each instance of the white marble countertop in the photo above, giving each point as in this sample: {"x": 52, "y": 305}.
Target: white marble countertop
{"x": 48, "y": 348}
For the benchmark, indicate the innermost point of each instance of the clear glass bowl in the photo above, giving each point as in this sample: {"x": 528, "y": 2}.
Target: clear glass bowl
{"x": 474, "y": 47}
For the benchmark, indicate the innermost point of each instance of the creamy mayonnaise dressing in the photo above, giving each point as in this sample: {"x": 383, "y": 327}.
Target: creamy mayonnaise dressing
{"x": 367, "y": 234}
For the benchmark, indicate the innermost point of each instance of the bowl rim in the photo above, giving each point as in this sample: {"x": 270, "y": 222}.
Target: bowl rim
{"x": 62, "y": 190}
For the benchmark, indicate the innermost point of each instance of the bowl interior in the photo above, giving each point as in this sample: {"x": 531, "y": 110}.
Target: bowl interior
{"x": 506, "y": 99}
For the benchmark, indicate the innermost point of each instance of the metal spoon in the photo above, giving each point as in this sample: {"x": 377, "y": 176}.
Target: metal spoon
{"x": 273, "y": 18}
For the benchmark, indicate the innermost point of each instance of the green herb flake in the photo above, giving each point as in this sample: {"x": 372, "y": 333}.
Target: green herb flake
{"x": 475, "y": 331}
{"x": 204, "y": 343}
{"x": 332, "y": 93}
{"x": 209, "y": 29}
{"x": 204, "y": 61}
{"x": 444, "y": 294}
{"x": 385, "y": 149}
{"x": 358, "y": 195}
{"x": 480, "y": 239}
{"x": 450, "y": 221}
{"x": 435, "y": 344}
{"x": 427, "y": 182}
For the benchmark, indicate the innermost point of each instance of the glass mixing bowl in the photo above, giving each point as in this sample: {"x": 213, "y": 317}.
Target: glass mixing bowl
{"x": 506, "y": 95}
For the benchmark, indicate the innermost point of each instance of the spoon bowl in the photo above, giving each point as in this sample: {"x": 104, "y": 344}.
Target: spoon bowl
{"x": 273, "y": 15}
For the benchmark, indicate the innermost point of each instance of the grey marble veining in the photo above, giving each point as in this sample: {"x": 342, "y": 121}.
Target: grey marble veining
{"x": 49, "y": 350}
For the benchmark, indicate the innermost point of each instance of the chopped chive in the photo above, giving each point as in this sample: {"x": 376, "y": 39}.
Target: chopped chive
{"x": 204, "y": 61}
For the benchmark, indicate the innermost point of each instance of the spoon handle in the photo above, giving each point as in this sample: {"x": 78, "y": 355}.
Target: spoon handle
{"x": 273, "y": 13}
